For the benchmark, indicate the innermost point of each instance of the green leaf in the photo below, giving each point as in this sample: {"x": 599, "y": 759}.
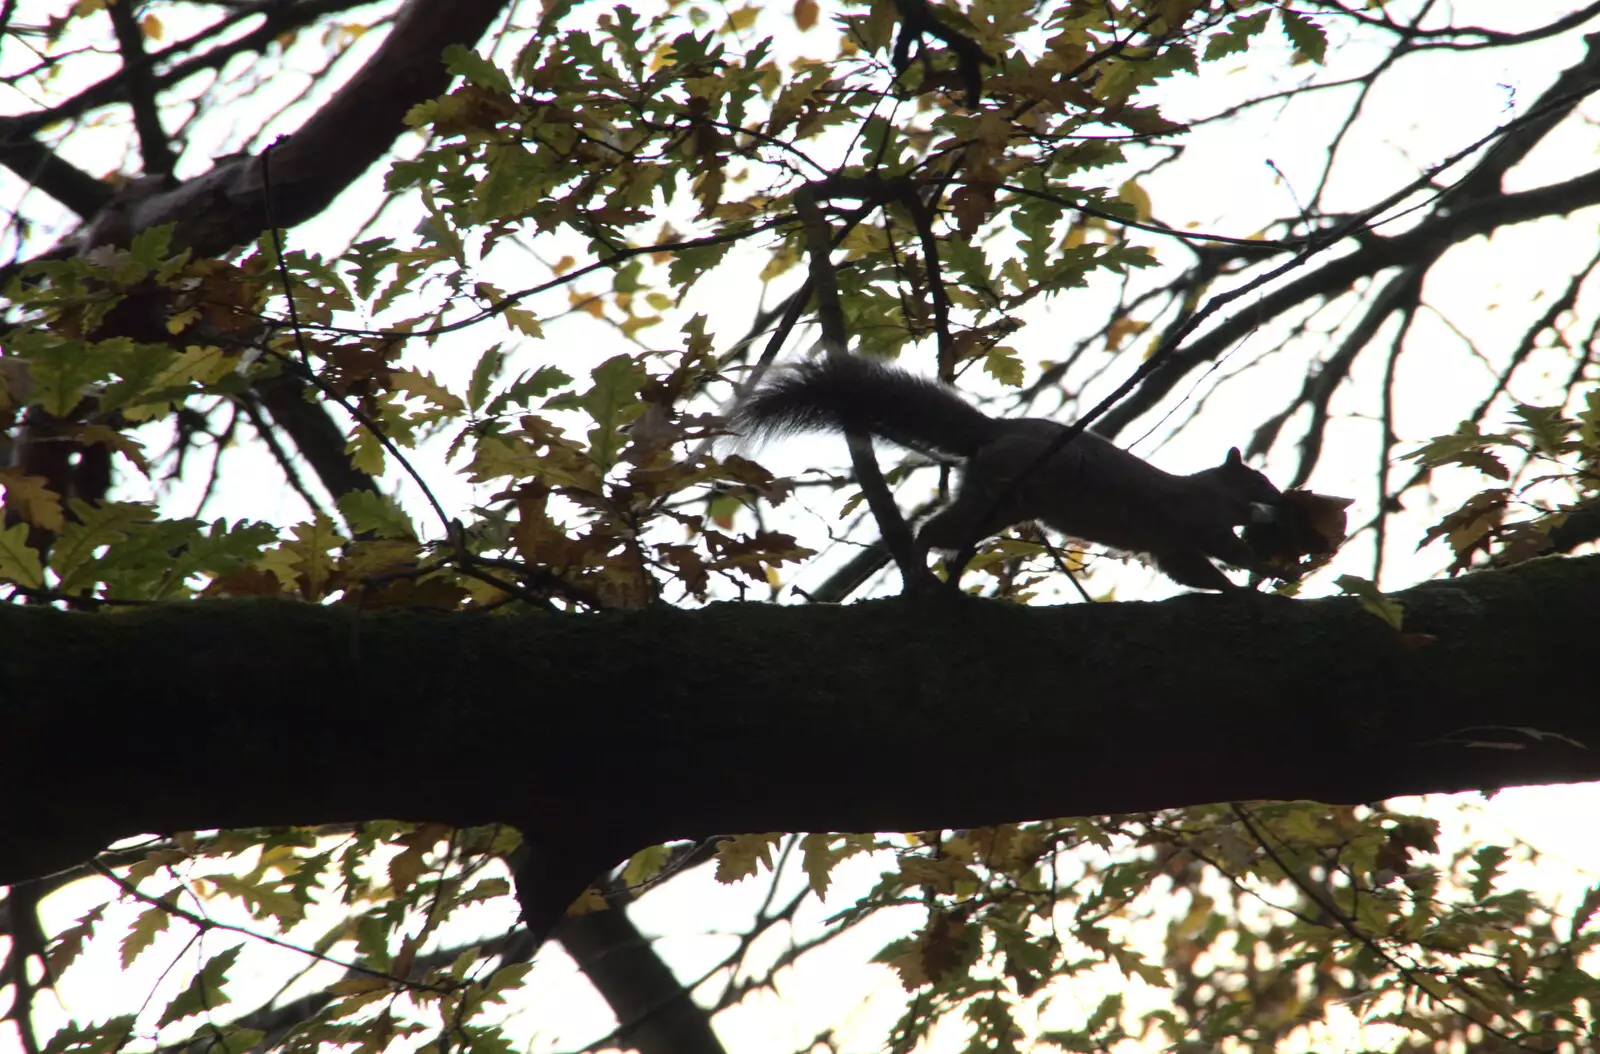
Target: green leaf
{"x": 613, "y": 402}
{"x": 503, "y": 981}
{"x": 817, "y": 859}
{"x": 485, "y": 1039}
{"x": 144, "y": 932}
{"x": 68, "y": 944}
{"x": 484, "y": 374}
{"x": 463, "y": 62}
{"x": 19, "y": 561}
{"x": 306, "y": 877}
{"x": 1487, "y": 868}
{"x": 204, "y": 994}
{"x": 92, "y": 1039}
{"x": 1004, "y": 365}
{"x": 367, "y": 512}
{"x": 423, "y": 385}
{"x": 62, "y": 369}
{"x": 1307, "y": 36}
{"x": 645, "y": 865}
{"x": 366, "y": 450}
{"x": 1236, "y": 38}
{"x": 740, "y": 856}
{"x": 240, "y": 1040}
{"x": 223, "y": 548}
{"x": 95, "y": 527}
{"x": 1548, "y": 428}
{"x": 1391, "y": 611}
{"x": 1561, "y": 987}
{"x": 372, "y": 940}
{"x": 150, "y": 247}
{"x": 1466, "y": 439}
{"x": 526, "y": 388}
{"x": 312, "y": 543}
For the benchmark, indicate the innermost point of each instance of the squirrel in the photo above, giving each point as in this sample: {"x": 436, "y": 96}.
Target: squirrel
{"x": 1090, "y": 489}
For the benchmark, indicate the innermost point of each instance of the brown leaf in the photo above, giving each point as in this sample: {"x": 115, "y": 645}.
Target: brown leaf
{"x": 249, "y": 582}
{"x": 1307, "y": 525}
{"x": 971, "y": 205}
{"x": 942, "y": 945}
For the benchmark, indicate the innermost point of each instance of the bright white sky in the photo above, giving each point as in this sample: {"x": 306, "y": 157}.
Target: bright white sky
{"x": 1445, "y": 101}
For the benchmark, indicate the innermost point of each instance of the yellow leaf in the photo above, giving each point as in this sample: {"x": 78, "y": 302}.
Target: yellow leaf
{"x": 143, "y": 933}
{"x": 638, "y": 322}
{"x": 416, "y": 382}
{"x": 523, "y": 321}
{"x": 817, "y": 858}
{"x": 152, "y": 27}
{"x": 1122, "y": 329}
{"x": 310, "y": 548}
{"x": 1135, "y": 195}
{"x": 645, "y": 865}
{"x": 128, "y": 447}
{"x": 365, "y": 450}
{"x": 805, "y": 14}
{"x": 736, "y": 210}
{"x": 179, "y": 322}
{"x": 279, "y": 563}
{"x": 588, "y": 902}
{"x": 742, "y": 19}
{"x": 783, "y": 258}
{"x": 661, "y": 57}
{"x": 740, "y": 857}
{"x": 1004, "y": 365}
{"x": 1373, "y": 601}
{"x": 942, "y": 875}
{"x": 19, "y": 561}
{"x": 202, "y": 364}
{"x": 863, "y": 240}
{"x": 30, "y": 498}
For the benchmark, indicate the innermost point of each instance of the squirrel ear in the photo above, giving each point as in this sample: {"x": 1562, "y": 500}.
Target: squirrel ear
{"x": 1234, "y": 460}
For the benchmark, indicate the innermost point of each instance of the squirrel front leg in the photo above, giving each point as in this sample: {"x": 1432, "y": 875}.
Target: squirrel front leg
{"x": 1192, "y": 568}
{"x": 972, "y": 516}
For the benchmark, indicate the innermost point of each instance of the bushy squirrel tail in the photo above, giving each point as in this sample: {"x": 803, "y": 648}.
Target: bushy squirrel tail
{"x": 848, "y": 393}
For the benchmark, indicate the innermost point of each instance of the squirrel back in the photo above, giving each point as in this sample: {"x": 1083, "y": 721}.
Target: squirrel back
{"x": 1090, "y": 488}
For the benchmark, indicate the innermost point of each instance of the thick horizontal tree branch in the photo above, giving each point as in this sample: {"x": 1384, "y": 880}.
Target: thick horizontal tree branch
{"x": 607, "y": 732}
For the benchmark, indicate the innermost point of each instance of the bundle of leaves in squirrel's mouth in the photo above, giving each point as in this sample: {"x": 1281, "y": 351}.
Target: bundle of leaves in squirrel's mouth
{"x": 1305, "y": 532}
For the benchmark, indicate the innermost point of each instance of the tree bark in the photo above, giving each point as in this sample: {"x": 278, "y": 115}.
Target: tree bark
{"x": 887, "y": 715}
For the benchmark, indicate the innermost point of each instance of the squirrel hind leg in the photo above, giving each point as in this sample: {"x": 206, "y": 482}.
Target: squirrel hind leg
{"x": 963, "y": 523}
{"x": 1190, "y": 567}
